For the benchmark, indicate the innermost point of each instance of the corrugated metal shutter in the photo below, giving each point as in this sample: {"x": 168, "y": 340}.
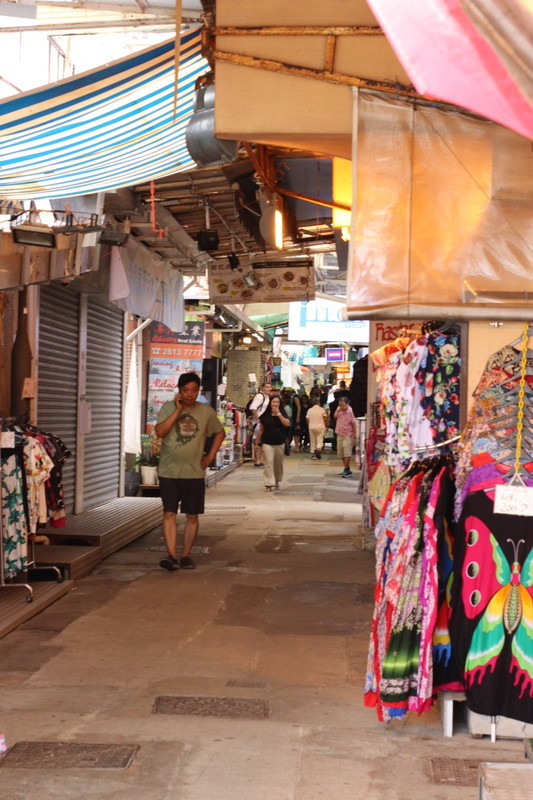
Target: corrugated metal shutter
{"x": 105, "y": 338}
{"x": 58, "y": 373}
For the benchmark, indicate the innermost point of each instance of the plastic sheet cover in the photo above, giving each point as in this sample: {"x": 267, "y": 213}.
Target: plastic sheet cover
{"x": 443, "y": 217}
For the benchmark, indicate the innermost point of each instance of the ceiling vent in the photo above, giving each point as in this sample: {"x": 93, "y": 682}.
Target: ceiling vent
{"x": 200, "y": 135}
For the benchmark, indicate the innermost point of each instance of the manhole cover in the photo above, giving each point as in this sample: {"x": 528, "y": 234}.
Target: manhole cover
{"x": 247, "y": 684}
{"x": 237, "y": 707}
{"x": 455, "y": 772}
{"x": 69, "y": 755}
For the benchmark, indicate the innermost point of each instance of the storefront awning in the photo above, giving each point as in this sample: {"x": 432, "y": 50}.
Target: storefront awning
{"x": 103, "y": 129}
{"x": 442, "y": 227}
{"x": 457, "y": 51}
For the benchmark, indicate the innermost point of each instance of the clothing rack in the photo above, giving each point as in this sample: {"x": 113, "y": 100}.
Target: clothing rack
{"x": 3, "y": 583}
{"x": 437, "y": 445}
{"x": 13, "y": 426}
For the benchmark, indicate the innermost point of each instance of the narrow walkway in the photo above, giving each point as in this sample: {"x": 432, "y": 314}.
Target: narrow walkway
{"x": 241, "y": 680}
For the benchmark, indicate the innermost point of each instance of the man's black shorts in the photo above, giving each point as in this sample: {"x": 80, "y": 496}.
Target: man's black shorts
{"x": 188, "y": 493}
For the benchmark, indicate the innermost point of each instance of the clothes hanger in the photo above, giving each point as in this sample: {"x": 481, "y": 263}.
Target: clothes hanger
{"x": 523, "y": 335}
{"x": 451, "y": 327}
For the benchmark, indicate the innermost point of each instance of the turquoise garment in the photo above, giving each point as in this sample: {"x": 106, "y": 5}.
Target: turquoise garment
{"x": 14, "y": 527}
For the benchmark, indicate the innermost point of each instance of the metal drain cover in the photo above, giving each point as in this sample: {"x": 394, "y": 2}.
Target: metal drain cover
{"x": 236, "y": 707}
{"x": 69, "y": 755}
{"x": 455, "y": 772}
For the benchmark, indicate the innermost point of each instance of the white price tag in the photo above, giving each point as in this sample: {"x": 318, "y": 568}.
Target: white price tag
{"x": 7, "y": 439}
{"x": 513, "y": 499}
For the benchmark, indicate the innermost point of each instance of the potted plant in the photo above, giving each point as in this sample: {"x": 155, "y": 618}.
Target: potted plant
{"x": 148, "y": 458}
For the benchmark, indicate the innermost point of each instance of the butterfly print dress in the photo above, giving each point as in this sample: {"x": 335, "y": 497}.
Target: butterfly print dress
{"x": 491, "y": 624}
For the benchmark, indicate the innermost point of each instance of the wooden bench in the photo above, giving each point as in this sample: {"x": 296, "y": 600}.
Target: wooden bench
{"x": 74, "y": 561}
{"x": 15, "y": 608}
{"x": 110, "y": 526}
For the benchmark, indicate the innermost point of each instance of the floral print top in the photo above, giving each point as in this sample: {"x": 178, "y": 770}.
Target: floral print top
{"x": 438, "y": 378}
{"x": 419, "y": 395}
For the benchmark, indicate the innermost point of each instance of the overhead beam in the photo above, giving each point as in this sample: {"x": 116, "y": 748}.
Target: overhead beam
{"x": 175, "y": 234}
{"x": 298, "y": 30}
{"x": 95, "y": 5}
{"x": 270, "y": 65}
{"x": 120, "y": 24}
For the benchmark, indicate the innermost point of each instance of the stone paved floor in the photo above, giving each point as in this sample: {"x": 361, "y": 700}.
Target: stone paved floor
{"x": 254, "y": 662}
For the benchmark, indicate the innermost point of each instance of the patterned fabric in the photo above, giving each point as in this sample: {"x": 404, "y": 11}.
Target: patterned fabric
{"x": 439, "y": 376}
{"x": 38, "y": 467}
{"x": 14, "y": 526}
{"x": 32, "y": 492}
{"x": 400, "y": 659}
{"x": 419, "y": 393}
{"x": 491, "y": 624}
{"x": 489, "y": 436}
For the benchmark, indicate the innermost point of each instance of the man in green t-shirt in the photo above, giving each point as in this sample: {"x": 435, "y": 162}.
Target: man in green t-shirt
{"x": 184, "y": 424}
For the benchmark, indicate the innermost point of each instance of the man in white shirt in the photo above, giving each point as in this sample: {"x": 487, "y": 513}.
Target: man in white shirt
{"x": 258, "y": 406}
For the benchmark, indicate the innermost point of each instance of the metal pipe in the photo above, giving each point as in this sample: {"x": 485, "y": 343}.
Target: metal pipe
{"x": 137, "y": 330}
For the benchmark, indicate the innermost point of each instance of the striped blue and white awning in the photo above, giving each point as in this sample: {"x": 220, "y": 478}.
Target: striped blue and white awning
{"x": 103, "y": 129}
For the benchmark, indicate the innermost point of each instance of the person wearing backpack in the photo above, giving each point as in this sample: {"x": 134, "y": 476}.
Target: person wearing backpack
{"x": 258, "y": 406}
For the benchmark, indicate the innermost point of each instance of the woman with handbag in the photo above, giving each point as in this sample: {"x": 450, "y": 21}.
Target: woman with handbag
{"x": 273, "y": 426}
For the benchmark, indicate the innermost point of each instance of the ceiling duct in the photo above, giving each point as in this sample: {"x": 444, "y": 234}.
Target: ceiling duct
{"x": 200, "y": 135}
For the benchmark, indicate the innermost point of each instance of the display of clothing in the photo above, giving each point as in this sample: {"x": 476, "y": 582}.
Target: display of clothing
{"x": 32, "y": 491}
{"x": 488, "y": 441}
{"x": 14, "y": 520}
{"x": 454, "y": 579}
{"x": 409, "y": 533}
{"x": 491, "y": 624}
{"x": 419, "y": 390}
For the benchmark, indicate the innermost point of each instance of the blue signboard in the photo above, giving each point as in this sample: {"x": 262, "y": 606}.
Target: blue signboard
{"x": 334, "y": 354}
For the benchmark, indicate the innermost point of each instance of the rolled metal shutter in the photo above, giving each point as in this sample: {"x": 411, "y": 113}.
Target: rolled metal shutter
{"x": 105, "y": 341}
{"x": 58, "y": 373}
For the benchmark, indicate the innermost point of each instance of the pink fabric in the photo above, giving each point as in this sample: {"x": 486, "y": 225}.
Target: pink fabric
{"x": 447, "y": 58}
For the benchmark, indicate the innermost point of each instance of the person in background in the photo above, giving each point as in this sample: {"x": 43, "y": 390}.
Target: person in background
{"x": 258, "y": 406}
{"x": 273, "y": 426}
{"x": 286, "y": 404}
{"x": 359, "y": 387}
{"x": 337, "y": 392}
{"x": 345, "y": 428}
{"x": 202, "y": 398}
{"x": 314, "y": 394}
{"x": 317, "y": 421}
{"x": 305, "y": 405}
{"x": 295, "y": 419}
{"x": 184, "y": 425}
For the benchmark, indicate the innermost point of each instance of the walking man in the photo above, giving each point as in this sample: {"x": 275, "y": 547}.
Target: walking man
{"x": 345, "y": 428}
{"x": 184, "y": 424}
{"x": 258, "y": 406}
